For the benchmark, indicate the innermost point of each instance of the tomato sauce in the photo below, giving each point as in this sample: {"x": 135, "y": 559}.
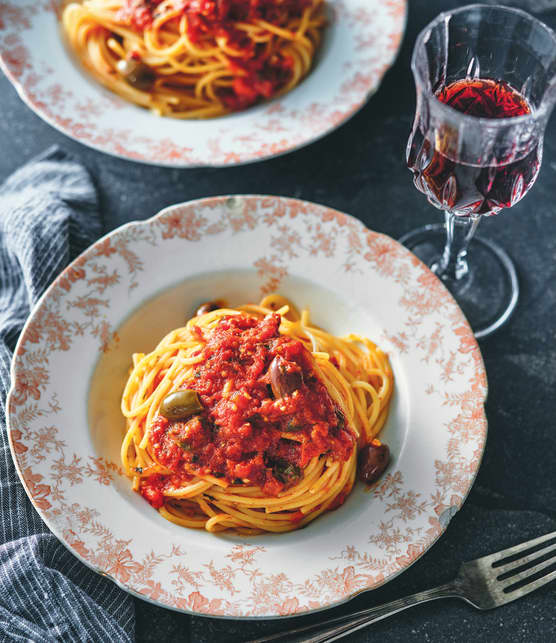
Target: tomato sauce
{"x": 257, "y": 75}
{"x": 246, "y": 434}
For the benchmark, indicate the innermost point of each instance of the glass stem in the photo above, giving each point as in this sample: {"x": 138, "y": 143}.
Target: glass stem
{"x": 452, "y": 265}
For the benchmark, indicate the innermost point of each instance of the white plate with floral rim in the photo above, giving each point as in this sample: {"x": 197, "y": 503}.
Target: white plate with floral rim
{"x": 360, "y": 44}
{"x": 130, "y": 288}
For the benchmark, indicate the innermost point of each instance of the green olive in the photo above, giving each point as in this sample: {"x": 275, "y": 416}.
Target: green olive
{"x": 181, "y": 405}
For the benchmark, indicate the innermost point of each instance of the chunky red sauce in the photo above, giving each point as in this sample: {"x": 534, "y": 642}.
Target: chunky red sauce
{"x": 213, "y": 14}
{"x": 258, "y": 75}
{"x": 238, "y": 436}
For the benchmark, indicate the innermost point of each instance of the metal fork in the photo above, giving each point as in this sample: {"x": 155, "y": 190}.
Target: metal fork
{"x": 485, "y": 583}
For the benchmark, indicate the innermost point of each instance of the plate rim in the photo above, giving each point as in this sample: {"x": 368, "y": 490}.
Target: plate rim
{"x": 329, "y": 129}
{"x": 51, "y": 525}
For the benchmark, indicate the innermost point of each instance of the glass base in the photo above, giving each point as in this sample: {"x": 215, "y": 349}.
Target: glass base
{"x": 489, "y": 292}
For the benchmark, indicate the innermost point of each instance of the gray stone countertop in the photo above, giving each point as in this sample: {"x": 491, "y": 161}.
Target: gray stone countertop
{"x": 360, "y": 169}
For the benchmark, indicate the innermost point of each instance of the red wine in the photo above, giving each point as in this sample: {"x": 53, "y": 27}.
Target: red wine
{"x": 484, "y": 98}
{"x": 471, "y": 188}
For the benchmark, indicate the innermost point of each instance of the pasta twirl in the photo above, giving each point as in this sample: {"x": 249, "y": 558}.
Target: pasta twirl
{"x": 250, "y": 418}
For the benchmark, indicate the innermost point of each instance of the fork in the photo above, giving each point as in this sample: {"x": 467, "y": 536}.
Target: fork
{"x": 485, "y": 583}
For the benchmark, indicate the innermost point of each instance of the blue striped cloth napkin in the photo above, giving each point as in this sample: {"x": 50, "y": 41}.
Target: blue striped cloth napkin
{"x": 48, "y": 215}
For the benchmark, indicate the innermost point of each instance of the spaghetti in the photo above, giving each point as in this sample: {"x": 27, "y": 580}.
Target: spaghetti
{"x": 195, "y": 58}
{"x": 250, "y": 418}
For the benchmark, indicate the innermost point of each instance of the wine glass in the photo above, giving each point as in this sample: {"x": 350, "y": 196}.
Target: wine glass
{"x": 486, "y": 86}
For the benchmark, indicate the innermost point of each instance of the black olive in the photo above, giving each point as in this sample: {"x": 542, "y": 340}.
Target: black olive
{"x": 373, "y": 460}
{"x": 207, "y": 307}
{"x": 180, "y": 405}
{"x": 283, "y": 381}
{"x": 136, "y": 74}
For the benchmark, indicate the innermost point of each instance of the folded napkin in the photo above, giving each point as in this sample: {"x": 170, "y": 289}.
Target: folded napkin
{"x": 48, "y": 215}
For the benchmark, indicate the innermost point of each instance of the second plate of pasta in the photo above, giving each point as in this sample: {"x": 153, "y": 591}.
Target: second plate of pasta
{"x": 252, "y": 418}
{"x": 190, "y": 84}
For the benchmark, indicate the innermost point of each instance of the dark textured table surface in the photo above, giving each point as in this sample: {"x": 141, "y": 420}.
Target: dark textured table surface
{"x": 360, "y": 169}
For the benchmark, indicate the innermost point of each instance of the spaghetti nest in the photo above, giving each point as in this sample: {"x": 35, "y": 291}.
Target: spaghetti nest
{"x": 195, "y": 58}
{"x": 250, "y": 418}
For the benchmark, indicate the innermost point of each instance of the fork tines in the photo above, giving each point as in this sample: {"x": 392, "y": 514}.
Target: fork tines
{"x": 521, "y": 566}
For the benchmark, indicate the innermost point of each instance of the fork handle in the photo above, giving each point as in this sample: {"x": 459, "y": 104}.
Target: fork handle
{"x": 338, "y": 627}
{"x": 374, "y": 614}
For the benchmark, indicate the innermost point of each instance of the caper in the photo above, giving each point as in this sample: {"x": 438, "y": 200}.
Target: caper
{"x": 340, "y": 417}
{"x": 286, "y": 471}
{"x": 293, "y": 427}
{"x": 136, "y": 73}
{"x": 181, "y": 405}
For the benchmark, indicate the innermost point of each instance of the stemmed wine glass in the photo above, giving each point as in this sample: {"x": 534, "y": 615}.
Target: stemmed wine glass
{"x": 486, "y": 86}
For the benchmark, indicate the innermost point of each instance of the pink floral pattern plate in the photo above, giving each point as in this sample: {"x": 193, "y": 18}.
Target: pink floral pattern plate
{"x": 361, "y": 42}
{"x": 134, "y": 285}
